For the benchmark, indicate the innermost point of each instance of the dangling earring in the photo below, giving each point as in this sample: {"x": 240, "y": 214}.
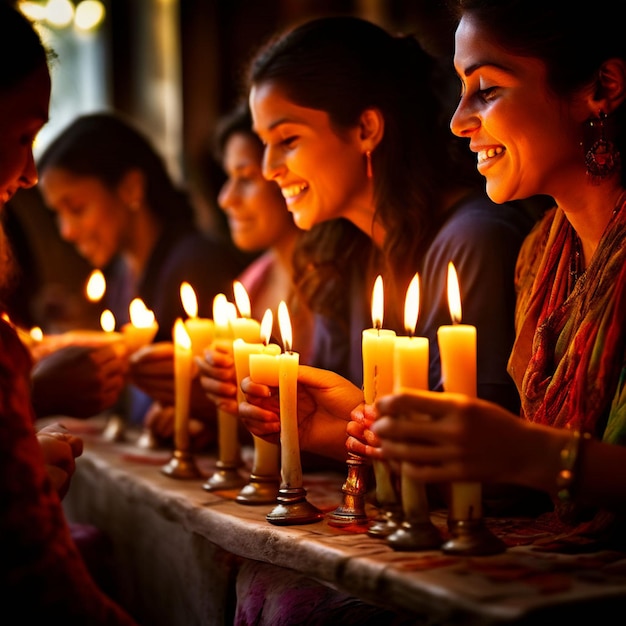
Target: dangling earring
{"x": 601, "y": 155}
{"x": 368, "y": 164}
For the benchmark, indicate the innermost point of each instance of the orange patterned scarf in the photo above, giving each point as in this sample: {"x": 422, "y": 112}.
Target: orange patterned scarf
{"x": 569, "y": 357}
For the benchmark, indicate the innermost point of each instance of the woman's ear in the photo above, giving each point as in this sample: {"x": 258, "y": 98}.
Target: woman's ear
{"x": 132, "y": 188}
{"x": 610, "y": 90}
{"x": 372, "y": 128}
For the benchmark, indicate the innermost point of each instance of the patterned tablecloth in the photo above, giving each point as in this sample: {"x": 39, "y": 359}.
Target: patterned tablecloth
{"x": 202, "y": 558}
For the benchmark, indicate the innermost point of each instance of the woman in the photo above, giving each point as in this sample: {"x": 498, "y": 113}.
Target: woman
{"x": 116, "y": 203}
{"x": 43, "y": 577}
{"x": 543, "y": 106}
{"x": 259, "y": 223}
{"x": 357, "y": 138}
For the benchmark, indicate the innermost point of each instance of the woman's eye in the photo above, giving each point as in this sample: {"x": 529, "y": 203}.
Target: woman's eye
{"x": 289, "y": 141}
{"x": 487, "y": 94}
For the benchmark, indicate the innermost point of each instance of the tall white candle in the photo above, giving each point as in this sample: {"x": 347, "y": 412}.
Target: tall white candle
{"x": 410, "y": 368}
{"x": 457, "y": 350}
{"x": 377, "y": 351}
{"x": 182, "y": 382}
{"x": 229, "y": 449}
{"x": 291, "y": 466}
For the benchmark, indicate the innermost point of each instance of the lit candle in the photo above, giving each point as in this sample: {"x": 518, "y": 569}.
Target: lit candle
{"x": 200, "y": 329}
{"x": 96, "y": 286}
{"x": 291, "y": 467}
{"x": 229, "y": 450}
{"x": 411, "y": 372}
{"x": 142, "y": 328}
{"x": 378, "y": 346}
{"x": 89, "y": 337}
{"x": 377, "y": 350}
{"x": 266, "y": 454}
{"x": 457, "y": 349}
{"x": 244, "y": 326}
{"x": 182, "y": 381}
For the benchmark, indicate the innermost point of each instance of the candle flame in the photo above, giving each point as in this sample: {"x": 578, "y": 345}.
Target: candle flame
{"x": 181, "y": 336}
{"x": 107, "y": 321}
{"x": 220, "y": 310}
{"x": 242, "y": 299}
{"x": 96, "y": 286}
{"x": 378, "y": 303}
{"x": 189, "y": 299}
{"x": 285, "y": 325}
{"x": 412, "y": 305}
{"x": 454, "y": 295}
{"x": 267, "y": 324}
{"x": 140, "y": 315}
{"x": 36, "y": 333}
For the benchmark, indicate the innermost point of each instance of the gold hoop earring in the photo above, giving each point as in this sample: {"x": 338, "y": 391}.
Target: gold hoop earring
{"x": 368, "y": 164}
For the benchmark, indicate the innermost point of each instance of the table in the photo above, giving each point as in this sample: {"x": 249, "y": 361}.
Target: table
{"x": 184, "y": 555}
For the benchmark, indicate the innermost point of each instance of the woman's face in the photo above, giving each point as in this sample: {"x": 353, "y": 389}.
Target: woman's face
{"x": 527, "y": 140}
{"x": 89, "y": 215}
{"x": 257, "y": 215}
{"x": 321, "y": 174}
{"x": 23, "y": 111}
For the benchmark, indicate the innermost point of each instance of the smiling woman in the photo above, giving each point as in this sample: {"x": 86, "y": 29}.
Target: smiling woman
{"x": 115, "y": 201}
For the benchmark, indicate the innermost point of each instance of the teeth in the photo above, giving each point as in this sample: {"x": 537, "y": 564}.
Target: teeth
{"x": 293, "y": 190}
{"x": 483, "y": 155}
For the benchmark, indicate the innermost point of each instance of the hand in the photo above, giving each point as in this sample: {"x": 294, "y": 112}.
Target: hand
{"x": 324, "y": 401}
{"x": 79, "y": 381}
{"x": 218, "y": 378}
{"x": 59, "y": 448}
{"x": 160, "y": 421}
{"x": 446, "y": 437}
{"x": 361, "y": 439}
{"x": 152, "y": 370}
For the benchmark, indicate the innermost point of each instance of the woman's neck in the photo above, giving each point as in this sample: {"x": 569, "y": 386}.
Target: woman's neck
{"x": 143, "y": 235}
{"x": 590, "y": 214}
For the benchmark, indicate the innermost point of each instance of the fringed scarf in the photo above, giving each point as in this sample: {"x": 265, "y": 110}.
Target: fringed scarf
{"x": 568, "y": 360}
{"x": 569, "y": 357}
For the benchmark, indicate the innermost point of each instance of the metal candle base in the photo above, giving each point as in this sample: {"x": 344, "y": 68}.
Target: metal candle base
{"x": 226, "y": 476}
{"x": 415, "y": 536}
{"x": 293, "y": 508}
{"x": 115, "y": 430}
{"x": 352, "y": 511}
{"x": 147, "y": 440}
{"x": 182, "y": 465}
{"x": 386, "y": 523}
{"x": 471, "y": 538}
{"x": 260, "y": 490}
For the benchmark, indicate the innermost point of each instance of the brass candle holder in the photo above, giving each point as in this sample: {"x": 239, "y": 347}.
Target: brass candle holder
{"x": 115, "y": 429}
{"x": 416, "y": 532}
{"x": 390, "y": 514}
{"x": 352, "y": 511}
{"x": 259, "y": 490}
{"x": 470, "y": 536}
{"x": 226, "y": 476}
{"x": 182, "y": 465}
{"x": 293, "y": 508}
